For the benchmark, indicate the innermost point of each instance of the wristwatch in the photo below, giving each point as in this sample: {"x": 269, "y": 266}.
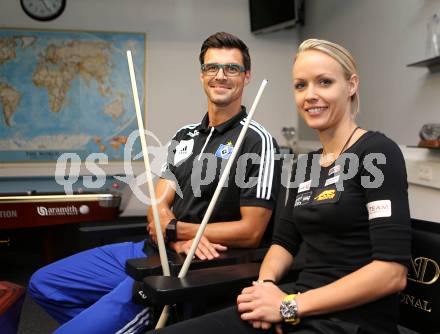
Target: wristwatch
{"x": 289, "y": 310}
{"x": 171, "y": 230}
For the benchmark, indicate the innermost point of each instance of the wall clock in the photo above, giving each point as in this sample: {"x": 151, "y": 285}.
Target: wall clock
{"x": 43, "y": 10}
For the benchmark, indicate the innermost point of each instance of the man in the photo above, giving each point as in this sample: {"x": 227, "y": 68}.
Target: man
{"x": 90, "y": 292}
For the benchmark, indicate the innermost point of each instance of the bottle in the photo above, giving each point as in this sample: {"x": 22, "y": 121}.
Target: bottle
{"x": 433, "y": 43}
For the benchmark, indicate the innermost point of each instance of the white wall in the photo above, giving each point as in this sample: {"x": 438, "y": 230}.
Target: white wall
{"x": 384, "y": 36}
{"x": 175, "y": 30}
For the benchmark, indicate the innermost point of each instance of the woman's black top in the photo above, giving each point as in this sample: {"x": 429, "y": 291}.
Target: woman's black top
{"x": 348, "y": 215}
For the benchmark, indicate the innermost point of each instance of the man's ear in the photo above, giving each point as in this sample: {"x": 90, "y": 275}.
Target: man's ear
{"x": 247, "y": 77}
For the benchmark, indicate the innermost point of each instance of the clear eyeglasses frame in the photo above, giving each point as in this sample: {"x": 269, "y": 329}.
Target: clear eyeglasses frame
{"x": 230, "y": 70}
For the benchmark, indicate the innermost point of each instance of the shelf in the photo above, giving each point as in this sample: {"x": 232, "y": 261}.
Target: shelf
{"x": 429, "y": 148}
{"x": 432, "y": 63}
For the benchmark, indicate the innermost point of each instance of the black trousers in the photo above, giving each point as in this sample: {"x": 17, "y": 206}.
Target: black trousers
{"x": 227, "y": 321}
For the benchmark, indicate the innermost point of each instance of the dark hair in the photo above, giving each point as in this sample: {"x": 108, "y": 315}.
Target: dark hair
{"x": 224, "y": 40}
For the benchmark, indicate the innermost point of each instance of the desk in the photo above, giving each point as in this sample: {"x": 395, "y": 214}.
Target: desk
{"x": 22, "y": 210}
{"x": 32, "y": 202}
{"x": 37, "y": 215}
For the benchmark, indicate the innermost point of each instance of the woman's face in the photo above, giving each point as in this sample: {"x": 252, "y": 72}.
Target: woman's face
{"x": 322, "y": 92}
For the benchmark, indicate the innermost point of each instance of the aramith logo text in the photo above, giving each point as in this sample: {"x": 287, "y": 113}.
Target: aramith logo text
{"x": 8, "y": 214}
{"x": 62, "y": 211}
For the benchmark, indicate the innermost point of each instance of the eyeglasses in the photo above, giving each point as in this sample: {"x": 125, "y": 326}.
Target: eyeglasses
{"x": 230, "y": 70}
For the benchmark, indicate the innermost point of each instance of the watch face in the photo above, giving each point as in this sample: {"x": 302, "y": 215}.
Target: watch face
{"x": 43, "y": 10}
{"x": 288, "y": 311}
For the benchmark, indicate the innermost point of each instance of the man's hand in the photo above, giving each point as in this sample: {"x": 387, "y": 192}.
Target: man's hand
{"x": 206, "y": 250}
{"x": 165, "y": 216}
{"x": 260, "y": 303}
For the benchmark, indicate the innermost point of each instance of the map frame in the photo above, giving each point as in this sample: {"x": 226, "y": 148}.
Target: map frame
{"x": 10, "y": 154}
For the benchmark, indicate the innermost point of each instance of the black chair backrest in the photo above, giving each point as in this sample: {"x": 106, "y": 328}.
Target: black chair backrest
{"x": 420, "y": 301}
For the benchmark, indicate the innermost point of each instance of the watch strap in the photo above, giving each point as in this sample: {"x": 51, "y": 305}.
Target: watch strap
{"x": 171, "y": 231}
{"x": 290, "y": 303}
{"x": 266, "y": 281}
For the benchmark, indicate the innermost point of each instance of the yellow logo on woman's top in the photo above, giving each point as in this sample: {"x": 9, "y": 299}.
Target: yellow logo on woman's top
{"x": 326, "y": 194}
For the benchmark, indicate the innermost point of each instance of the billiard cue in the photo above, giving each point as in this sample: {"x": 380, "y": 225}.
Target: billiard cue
{"x": 160, "y": 241}
{"x": 207, "y": 216}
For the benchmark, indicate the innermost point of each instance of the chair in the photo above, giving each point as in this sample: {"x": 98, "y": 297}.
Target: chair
{"x": 239, "y": 267}
{"x": 420, "y": 301}
{"x": 139, "y": 268}
{"x": 199, "y": 288}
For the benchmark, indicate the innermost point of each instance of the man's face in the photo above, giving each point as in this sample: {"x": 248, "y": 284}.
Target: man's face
{"x": 221, "y": 89}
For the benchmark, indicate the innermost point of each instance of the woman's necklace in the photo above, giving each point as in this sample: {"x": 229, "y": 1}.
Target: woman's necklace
{"x": 342, "y": 150}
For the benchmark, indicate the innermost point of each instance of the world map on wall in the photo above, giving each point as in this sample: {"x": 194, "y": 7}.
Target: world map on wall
{"x": 67, "y": 92}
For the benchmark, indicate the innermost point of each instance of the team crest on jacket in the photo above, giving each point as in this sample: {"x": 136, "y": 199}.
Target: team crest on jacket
{"x": 183, "y": 150}
{"x": 224, "y": 151}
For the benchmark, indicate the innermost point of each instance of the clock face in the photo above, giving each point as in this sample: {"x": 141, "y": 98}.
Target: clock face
{"x": 43, "y": 10}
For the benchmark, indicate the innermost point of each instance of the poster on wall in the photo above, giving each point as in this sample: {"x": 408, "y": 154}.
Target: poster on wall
{"x": 67, "y": 92}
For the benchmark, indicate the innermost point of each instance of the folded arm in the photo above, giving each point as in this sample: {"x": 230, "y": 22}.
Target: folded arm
{"x": 246, "y": 232}
{"x": 373, "y": 281}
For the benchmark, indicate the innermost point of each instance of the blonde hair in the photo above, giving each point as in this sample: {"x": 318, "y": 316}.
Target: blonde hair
{"x": 341, "y": 55}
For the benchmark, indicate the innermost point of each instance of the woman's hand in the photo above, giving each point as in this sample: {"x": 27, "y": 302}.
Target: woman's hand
{"x": 266, "y": 325}
{"x": 260, "y": 304}
{"x": 206, "y": 250}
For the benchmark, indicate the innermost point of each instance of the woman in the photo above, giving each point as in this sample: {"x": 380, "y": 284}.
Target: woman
{"x": 350, "y": 211}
